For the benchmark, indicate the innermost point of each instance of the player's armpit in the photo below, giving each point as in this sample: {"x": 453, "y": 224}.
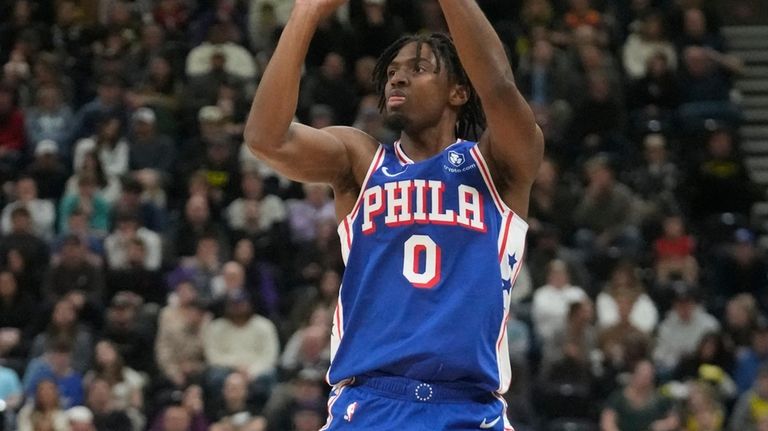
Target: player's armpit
{"x": 330, "y": 155}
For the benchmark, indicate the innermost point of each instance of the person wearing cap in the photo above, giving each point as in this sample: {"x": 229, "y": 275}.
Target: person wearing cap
{"x": 80, "y": 419}
{"x": 741, "y": 268}
{"x": 683, "y": 328}
{"x": 48, "y": 170}
{"x": 150, "y": 150}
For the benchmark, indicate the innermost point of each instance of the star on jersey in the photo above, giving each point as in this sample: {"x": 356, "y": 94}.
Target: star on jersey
{"x": 506, "y": 284}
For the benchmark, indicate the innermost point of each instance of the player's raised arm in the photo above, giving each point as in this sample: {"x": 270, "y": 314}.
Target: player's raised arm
{"x": 297, "y": 151}
{"x": 513, "y": 142}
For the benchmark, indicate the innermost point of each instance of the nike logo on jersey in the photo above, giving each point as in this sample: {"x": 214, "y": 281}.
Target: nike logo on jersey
{"x": 422, "y": 201}
{"x": 386, "y": 172}
{"x": 488, "y": 425}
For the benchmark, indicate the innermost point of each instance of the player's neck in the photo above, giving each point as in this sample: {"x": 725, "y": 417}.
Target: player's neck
{"x": 427, "y": 143}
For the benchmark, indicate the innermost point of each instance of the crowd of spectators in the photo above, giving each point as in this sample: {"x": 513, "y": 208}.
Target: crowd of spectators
{"x": 155, "y": 275}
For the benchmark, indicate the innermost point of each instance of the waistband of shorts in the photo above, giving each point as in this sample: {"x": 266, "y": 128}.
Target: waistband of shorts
{"x": 418, "y": 391}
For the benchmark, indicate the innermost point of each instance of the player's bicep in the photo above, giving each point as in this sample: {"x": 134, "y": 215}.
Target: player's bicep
{"x": 308, "y": 154}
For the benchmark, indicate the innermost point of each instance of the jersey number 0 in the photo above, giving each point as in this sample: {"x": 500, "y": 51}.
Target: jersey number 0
{"x": 418, "y": 248}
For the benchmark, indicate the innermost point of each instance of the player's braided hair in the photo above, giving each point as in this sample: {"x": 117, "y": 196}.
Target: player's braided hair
{"x": 471, "y": 121}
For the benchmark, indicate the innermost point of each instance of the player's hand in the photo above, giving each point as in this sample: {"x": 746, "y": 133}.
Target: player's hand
{"x": 324, "y": 7}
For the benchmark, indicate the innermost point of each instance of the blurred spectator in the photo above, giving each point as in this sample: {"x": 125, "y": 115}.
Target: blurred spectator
{"x": 135, "y": 276}
{"x": 242, "y": 342}
{"x": 710, "y": 352}
{"x": 107, "y": 185}
{"x": 44, "y": 410}
{"x": 649, "y": 40}
{"x": 625, "y": 284}
{"x": 49, "y": 172}
{"x": 674, "y": 251}
{"x": 236, "y": 59}
{"x": 308, "y": 347}
{"x": 130, "y": 331}
{"x": 108, "y": 101}
{"x": 16, "y": 326}
{"x": 42, "y": 211}
{"x": 106, "y": 416}
{"x": 65, "y": 328}
{"x": 750, "y": 360}
{"x": 751, "y": 410}
{"x": 305, "y": 389}
{"x": 49, "y": 118}
{"x": 271, "y": 209}
{"x": 657, "y": 178}
{"x": 639, "y": 406}
{"x": 682, "y": 329}
{"x": 262, "y": 277}
{"x": 195, "y": 225}
{"x": 80, "y": 419}
{"x": 23, "y": 240}
{"x": 77, "y": 226}
{"x": 705, "y": 89}
{"x": 74, "y": 275}
{"x": 126, "y": 384}
{"x": 234, "y": 404}
{"x": 86, "y": 199}
{"x": 543, "y": 80}
{"x": 160, "y": 90}
{"x": 741, "y": 320}
{"x": 605, "y": 216}
{"x": 131, "y": 201}
{"x": 622, "y": 344}
{"x": 304, "y": 215}
{"x": 179, "y": 345}
{"x": 696, "y": 31}
{"x": 185, "y": 417}
{"x": 598, "y": 120}
{"x": 328, "y": 85}
{"x": 109, "y": 145}
{"x": 654, "y": 97}
{"x": 203, "y": 266}
{"x": 375, "y": 29}
{"x": 128, "y": 228}
{"x": 12, "y": 137}
{"x": 703, "y": 410}
{"x": 551, "y": 196}
{"x": 171, "y": 16}
{"x": 579, "y": 329}
{"x": 552, "y": 301}
{"x": 150, "y": 152}
{"x": 740, "y": 267}
{"x": 55, "y": 366}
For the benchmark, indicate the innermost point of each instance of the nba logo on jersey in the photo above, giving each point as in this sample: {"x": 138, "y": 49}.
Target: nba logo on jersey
{"x": 456, "y": 159}
{"x": 350, "y": 411}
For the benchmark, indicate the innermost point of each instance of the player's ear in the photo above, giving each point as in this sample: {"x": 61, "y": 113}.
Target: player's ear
{"x": 459, "y": 95}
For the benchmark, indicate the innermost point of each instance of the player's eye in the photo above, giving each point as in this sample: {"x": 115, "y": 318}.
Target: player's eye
{"x": 390, "y": 73}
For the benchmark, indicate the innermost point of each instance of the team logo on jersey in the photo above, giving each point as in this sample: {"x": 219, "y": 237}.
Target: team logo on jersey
{"x": 392, "y": 175}
{"x": 456, "y": 159}
{"x": 350, "y": 411}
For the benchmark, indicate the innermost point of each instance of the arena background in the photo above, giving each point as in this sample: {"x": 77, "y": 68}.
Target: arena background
{"x": 154, "y": 275}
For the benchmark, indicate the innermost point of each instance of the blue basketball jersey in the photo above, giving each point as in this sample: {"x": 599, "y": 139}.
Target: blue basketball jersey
{"x": 431, "y": 254}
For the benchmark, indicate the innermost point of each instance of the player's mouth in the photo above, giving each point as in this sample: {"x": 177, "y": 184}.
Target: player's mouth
{"x": 395, "y": 99}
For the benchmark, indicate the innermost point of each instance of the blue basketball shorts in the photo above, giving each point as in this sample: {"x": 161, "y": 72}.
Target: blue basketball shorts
{"x": 387, "y": 403}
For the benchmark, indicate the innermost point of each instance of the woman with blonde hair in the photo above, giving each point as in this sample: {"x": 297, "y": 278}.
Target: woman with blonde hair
{"x": 625, "y": 283}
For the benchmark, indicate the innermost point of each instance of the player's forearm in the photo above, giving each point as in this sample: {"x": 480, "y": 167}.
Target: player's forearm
{"x": 480, "y": 49}
{"x": 274, "y": 104}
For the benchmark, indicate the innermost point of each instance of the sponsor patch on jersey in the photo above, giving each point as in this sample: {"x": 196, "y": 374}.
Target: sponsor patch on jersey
{"x": 457, "y": 159}
{"x": 350, "y": 411}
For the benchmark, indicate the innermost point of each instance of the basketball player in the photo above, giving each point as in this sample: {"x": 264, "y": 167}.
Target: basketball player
{"x": 432, "y": 227}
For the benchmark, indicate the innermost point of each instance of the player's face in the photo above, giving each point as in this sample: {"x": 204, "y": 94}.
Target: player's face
{"x": 416, "y": 94}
